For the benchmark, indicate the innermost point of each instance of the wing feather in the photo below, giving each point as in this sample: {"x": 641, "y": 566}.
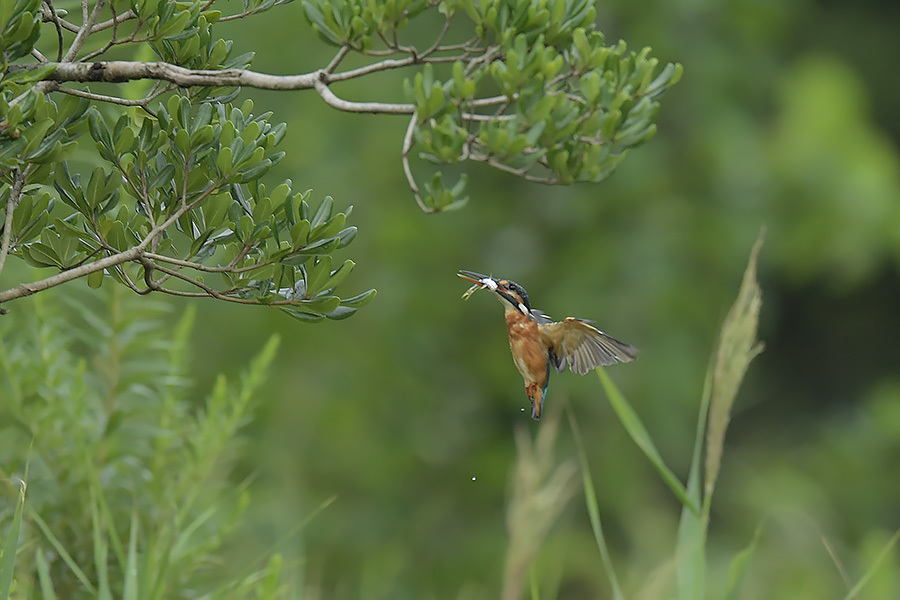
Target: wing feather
{"x": 582, "y": 347}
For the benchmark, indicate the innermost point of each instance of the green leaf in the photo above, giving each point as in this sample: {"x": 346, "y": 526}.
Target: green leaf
{"x": 322, "y": 305}
{"x": 95, "y": 279}
{"x": 302, "y": 316}
{"x": 29, "y": 75}
{"x": 323, "y": 213}
{"x": 11, "y": 544}
{"x": 346, "y": 236}
{"x": 62, "y": 552}
{"x": 317, "y": 275}
{"x": 317, "y": 248}
{"x": 590, "y": 499}
{"x": 738, "y": 568}
{"x": 854, "y": 592}
{"x": 131, "y": 591}
{"x": 341, "y": 312}
{"x": 300, "y": 233}
{"x": 340, "y": 275}
{"x": 360, "y": 299}
{"x": 641, "y": 437}
{"x": 43, "y": 572}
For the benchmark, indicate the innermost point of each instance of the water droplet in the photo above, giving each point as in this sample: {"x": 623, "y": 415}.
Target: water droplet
{"x": 522, "y": 409}
{"x": 473, "y": 479}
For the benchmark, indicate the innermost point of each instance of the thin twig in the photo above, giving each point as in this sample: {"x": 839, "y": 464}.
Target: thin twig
{"x": 361, "y": 107}
{"x": 103, "y": 98}
{"x": 337, "y": 59}
{"x": 55, "y": 18}
{"x": 523, "y": 172}
{"x": 133, "y": 253}
{"x": 407, "y": 146}
{"x": 240, "y": 15}
{"x": 440, "y": 38}
{"x": 208, "y": 292}
{"x": 11, "y": 203}
{"x": 205, "y": 268}
{"x": 113, "y": 39}
{"x": 387, "y": 64}
{"x": 84, "y": 31}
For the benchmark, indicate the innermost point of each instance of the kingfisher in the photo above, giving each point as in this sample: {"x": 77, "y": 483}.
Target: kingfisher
{"x": 537, "y": 342}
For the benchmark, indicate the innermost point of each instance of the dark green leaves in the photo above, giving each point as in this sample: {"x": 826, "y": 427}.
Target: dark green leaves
{"x": 179, "y": 206}
{"x": 20, "y": 24}
{"x": 37, "y": 130}
{"x": 569, "y": 106}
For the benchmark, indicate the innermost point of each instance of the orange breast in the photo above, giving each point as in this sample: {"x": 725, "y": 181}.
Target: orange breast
{"x": 529, "y": 354}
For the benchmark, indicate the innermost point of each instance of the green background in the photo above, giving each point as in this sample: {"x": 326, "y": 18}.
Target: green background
{"x": 785, "y": 117}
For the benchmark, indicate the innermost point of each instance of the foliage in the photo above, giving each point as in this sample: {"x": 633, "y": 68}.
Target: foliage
{"x": 178, "y": 198}
{"x": 738, "y": 346}
{"x": 128, "y": 492}
{"x": 745, "y": 139}
{"x": 176, "y": 202}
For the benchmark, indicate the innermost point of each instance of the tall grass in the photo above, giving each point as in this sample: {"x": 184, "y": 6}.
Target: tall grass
{"x": 128, "y": 495}
{"x": 737, "y": 347}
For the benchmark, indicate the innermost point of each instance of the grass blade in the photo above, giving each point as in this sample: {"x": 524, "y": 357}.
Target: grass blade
{"x": 590, "y": 500}
{"x": 641, "y": 437}
{"x": 11, "y": 545}
{"x": 690, "y": 557}
{"x": 43, "y": 572}
{"x": 101, "y": 551}
{"x": 62, "y": 552}
{"x": 738, "y": 567}
{"x": 535, "y": 589}
{"x": 853, "y": 593}
{"x": 737, "y": 347}
{"x": 131, "y": 571}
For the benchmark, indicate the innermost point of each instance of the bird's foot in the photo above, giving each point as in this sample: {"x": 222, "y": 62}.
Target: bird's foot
{"x": 535, "y": 395}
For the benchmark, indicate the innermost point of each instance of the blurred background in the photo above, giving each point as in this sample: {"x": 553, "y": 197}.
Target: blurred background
{"x": 785, "y": 117}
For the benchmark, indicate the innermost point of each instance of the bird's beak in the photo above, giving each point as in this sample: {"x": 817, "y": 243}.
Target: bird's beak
{"x": 478, "y": 278}
{"x": 480, "y": 281}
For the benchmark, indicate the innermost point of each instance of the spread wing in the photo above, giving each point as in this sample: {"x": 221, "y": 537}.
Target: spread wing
{"x": 575, "y": 343}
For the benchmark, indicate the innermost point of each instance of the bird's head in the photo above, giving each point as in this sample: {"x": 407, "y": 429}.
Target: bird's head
{"x": 510, "y": 293}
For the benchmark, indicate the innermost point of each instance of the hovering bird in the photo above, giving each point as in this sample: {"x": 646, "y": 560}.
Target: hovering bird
{"x": 537, "y": 342}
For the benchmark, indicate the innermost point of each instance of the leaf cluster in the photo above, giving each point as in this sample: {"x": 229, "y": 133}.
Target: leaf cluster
{"x": 176, "y": 203}
{"x": 535, "y": 91}
{"x": 126, "y": 466}
{"x": 183, "y": 189}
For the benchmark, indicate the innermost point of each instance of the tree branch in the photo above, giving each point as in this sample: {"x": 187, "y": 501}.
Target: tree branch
{"x": 27, "y": 289}
{"x": 84, "y": 31}
{"x": 143, "y": 102}
{"x": 47, "y": 15}
{"x": 208, "y": 292}
{"x": 361, "y": 107}
{"x": 134, "y": 253}
{"x": 407, "y": 170}
{"x": 11, "y": 203}
{"x": 120, "y": 71}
